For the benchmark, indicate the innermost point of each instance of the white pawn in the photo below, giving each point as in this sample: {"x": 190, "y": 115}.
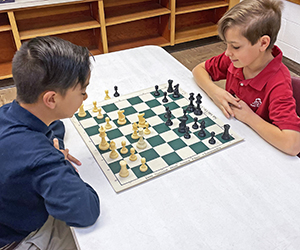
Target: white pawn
{"x": 147, "y": 130}
{"x": 100, "y": 115}
{"x": 124, "y": 150}
{"x": 113, "y": 154}
{"x": 107, "y": 125}
{"x": 132, "y": 157}
{"x": 141, "y": 144}
{"x": 124, "y": 171}
{"x": 81, "y": 112}
{"x": 143, "y": 167}
{"x": 106, "y": 95}
{"x": 95, "y": 109}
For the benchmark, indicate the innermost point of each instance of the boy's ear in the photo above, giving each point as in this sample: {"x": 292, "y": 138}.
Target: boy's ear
{"x": 264, "y": 42}
{"x": 50, "y": 99}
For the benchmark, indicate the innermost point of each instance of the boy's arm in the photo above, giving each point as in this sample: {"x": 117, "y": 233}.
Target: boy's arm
{"x": 221, "y": 97}
{"x": 285, "y": 140}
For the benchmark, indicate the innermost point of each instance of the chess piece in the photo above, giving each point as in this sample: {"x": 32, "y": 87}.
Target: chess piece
{"x": 195, "y": 125}
{"x": 212, "y": 139}
{"x": 169, "y": 121}
{"x": 121, "y": 120}
{"x": 165, "y": 99}
{"x": 95, "y": 109}
{"x": 141, "y": 144}
{"x": 170, "y": 87}
{"x": 198, "y": 110}
{"x": 176, "y": 91}
{"x": 135, "y": 134}
{"x": 81, "y": 112}
{"x": 116, "y": 94}
{"x": 156, "y": 93}
{"x": 191, "y": 106}
{"x": 132, "y": 157}
{"x": 143, "y": 167}
{"x": 147, "y": 130}
{"x": 167, "y": 111}
{"x": 142, "y": 120}
{"x": 202, "y": 126}
{"x": 124, "y": 171}
{"x": 99, "y": 116}
{"x": 187, "y": 133}
{"x": 123, "y": 150}
{"x": 226, "y": 135}
{"x": 104, "y": 145}
{"x": 182, "y": 124}
{"x": 106, "y": 95}
{"x": 113, "y": 154}
{"x": 107, "y": 125}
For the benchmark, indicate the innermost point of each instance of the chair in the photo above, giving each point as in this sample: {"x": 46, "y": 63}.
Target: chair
{"x": 296, "y": 92}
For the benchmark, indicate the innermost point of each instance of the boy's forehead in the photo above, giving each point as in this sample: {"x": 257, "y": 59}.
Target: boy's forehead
{"x": 234, "y": 34}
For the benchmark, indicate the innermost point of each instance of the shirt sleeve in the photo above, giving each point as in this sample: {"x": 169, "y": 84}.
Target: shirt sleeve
{"x": 217, "y": 67}
{"x": 65, "y": 195}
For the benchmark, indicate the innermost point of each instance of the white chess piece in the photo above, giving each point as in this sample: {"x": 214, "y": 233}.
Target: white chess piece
{"x": 141, "y": 144}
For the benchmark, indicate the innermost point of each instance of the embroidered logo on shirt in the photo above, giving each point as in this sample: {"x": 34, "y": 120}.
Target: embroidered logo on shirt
{"x": 256, "y": 103}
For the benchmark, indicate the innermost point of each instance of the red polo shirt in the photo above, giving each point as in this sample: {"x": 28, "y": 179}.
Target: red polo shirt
{"x": 269, "y": 94}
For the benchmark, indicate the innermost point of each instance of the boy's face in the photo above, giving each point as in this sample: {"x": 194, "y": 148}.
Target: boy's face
{"x": 239, "y": 49}
{"x": 72, "y": 100}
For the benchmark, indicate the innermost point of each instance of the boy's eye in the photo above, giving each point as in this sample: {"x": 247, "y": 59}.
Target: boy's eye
{"x": 235, "y": 47}
{"x": 83, "y": 93}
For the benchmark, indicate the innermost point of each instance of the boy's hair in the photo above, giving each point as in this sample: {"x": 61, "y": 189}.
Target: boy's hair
{"x": 48, "y": 63}
{"x": 256, "y": 18}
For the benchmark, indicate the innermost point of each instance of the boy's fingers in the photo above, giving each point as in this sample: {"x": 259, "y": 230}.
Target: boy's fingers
{"x": 55, "y": 143}
{"x": 73, "y": 159}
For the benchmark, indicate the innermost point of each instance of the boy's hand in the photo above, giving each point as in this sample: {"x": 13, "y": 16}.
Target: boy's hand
{"x": 244, "y": 113}
{"x": 225, "y": 101}
{"x": 68, "y": 157}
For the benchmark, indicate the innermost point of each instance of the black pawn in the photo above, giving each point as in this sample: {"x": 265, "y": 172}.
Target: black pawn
{"x": 202, "y": 132}
{"x": 170, "y": 88}
{"x": 156, "y": 93}
{"x": 212, "y": 139}
{"x": 176, "y": 91}
{"x": 116, "y": 94}
{"x": 167, "y": 111}
{"x": 195, "y": 125}
{"x": 226, "y": 135}
{"x": 187, "y": 133}
{"x": 165, "y": 99}
{"x": 198, "y": 110}
{"x": 168, "y": 121}
{"x": 191, "y": 106}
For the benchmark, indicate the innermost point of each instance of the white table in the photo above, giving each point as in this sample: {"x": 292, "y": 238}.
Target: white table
{"x": 246, "y": 196}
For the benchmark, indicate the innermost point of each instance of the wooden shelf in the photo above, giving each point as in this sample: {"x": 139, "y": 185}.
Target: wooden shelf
{"x": 193, "y": 6}
{"x": 196, "y": 32}
{"x": 5, "y": 27}
{"x": 5, "y": 70}
{"x": 132, "y": 12}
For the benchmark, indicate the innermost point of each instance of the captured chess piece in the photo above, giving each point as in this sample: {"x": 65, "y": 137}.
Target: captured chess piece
{"x": 100, "y": 115}
{"x": 81, "y": 112}
{"x": 95, "y": 109}
{"x": 107, "y": 97}
{"x": 123, "y": 150}
{"x": 104, "y": 145}
{"x": 170, "y": 87}
{"x": 156, "y": 93}
{"x": 124, "y": 171}
{"x": 143, "y": 167}
{"x": 107, "y": 125}
{"x": 212, "y": 139}
{"x": 121, "y": 120}
{"x": 226, "y": 135}
{"x": 113, "y": 154}
{"x": 132, "y": 157}
{"x": 116, "y": 94}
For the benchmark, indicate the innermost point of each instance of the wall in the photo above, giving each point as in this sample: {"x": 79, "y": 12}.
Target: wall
{"x": 289, "y": 36}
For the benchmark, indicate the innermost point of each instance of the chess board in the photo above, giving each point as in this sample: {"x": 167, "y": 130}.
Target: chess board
{"x": 166, "y": 149}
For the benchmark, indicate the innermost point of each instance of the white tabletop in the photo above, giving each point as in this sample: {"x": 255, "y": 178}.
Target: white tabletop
{"x": 242, "y": 197}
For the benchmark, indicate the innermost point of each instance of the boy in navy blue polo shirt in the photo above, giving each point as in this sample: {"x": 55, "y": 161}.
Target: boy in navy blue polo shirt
{"x": 41, "y": 192}
{"x": 258, "y": 87}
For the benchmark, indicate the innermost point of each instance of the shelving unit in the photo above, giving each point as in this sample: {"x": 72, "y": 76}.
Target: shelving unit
{"x": 109, "y": 25}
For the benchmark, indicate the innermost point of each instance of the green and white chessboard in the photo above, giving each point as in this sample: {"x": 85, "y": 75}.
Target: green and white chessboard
{"x": 166, "y": 149}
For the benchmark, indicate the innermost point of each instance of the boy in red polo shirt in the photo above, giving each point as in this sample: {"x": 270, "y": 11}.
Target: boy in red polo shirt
{"x": 258, "y": 87}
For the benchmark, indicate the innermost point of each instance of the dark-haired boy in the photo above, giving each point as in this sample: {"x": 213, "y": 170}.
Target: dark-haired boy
{"x": 41, "y": 192}
{"x": 258, "y": 87}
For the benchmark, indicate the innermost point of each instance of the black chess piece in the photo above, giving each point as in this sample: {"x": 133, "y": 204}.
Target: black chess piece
{"x": 198, "y": 110}
{"x": 195, "y": 125}
{"x": 226, "y": 135}
{"x": 116, "y": 94}
{"x": 169, "y": 121}
{"x": 170, "y": 87}
{"x": 187, "y": 133}
{"x": 167, "y": 111}
{"x": 212, "y": 139}
{"x": 191, "y": 106}
{"x": 156, "y": 93}
{"x": 176, "y": 91}
{"x": 182, "y": 124}
{"x": 202, "y": 133}
{"x": 165, "y": 99}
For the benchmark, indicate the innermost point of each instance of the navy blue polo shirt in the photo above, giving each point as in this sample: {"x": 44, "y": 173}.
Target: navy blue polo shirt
{"x": 36, "y": 180}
